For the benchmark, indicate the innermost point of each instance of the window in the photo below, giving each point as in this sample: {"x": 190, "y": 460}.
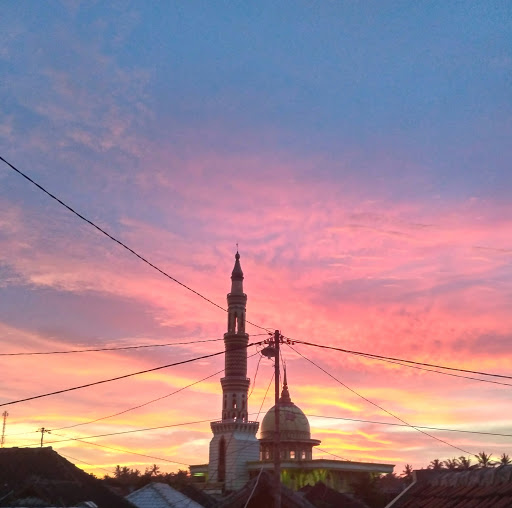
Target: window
{"x": 292, "y": 454}
{"x": 221, "y": 470}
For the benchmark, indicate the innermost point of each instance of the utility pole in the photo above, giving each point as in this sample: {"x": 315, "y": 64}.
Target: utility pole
{"x": 43, "y": 431}
{"x": 277, "y": 435}
{"x": 5, "y": 414}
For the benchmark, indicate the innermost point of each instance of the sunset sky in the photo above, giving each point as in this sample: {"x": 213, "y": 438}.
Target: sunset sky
{"x": 357, "y": 151}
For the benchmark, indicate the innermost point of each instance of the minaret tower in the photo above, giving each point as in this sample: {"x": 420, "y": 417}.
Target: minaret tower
{"x": 234, "y": 440}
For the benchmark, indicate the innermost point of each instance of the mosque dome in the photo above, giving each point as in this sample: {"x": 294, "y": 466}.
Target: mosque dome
{"x": 293, "y": 424}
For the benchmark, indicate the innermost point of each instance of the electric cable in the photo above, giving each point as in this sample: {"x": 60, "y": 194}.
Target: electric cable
{"x": 119, "y": 242}
{"x": 441, "y": 429}
{"x": 374, "y": 422}
{"x": 148, "y": 402}
{"x": 130, "y": 452}
{"x": 255, "y": 375}
{"x": 254, "y": 488}
{"x": 84, "y": 462}
{"x": 333, "y": 454}
{"x": 121, "y": 432}
{"x": 369, "y": 355}
{"x": 438, "y": 371}
{"x": 119, "y": 348}
{"x": 380, "y": 407}
{"x": 131, "y": 408}
{"x": 123, "y": 376}
{"x": 140, "y": 405}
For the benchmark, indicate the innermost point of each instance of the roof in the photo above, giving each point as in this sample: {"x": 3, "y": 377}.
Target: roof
{"x": 160, "y": 495}
{"x": 262, "y": 496}
{"x": 328, "y": 464}
{"x": 478, "y": 488}
{"x": 330, "y": 497}
{"x": 42, "y": 473}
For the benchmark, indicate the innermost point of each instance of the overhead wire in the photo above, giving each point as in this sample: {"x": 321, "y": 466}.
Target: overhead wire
{"x": 119, "y": 348}
{"x": 84, "y": 462}
{"x": 369, "y": 355}
{"x": 123, "y": 376}
{"x": 439, "y": 371}
{"x": 119, "y": 242}
{"x": 441, "y": 429}
{"x": 148, "y": 402}
{"x": 130, "y": 452}
{"x": 377, "y": 405}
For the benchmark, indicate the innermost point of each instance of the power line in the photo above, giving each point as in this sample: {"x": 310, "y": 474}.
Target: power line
{"x": 182, "y": 424}
{"x": 369, "y": 355}
{"x": 119, "y": 433}
{"x": 130, "y": 452}
{"x": 120, "y": 348}
{"x": 88, "y": 463}
{"x": 122, "y": 377}
{"x": 439, "y": 371}
{"x": 378, "y": 406}
{"x": 148, "y": 402}
{"x": 140, "y": 405}
{"x": 441, "y": 429}
{"x": 333, "y": 454}
{"x": 119, "y": 242}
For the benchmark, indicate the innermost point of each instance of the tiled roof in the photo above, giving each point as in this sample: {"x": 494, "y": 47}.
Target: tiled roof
{"x": 44, "y": 474}
{"x": 262, "y": 495}
{"x": 160, "y": 495}
{"x": 330, "y": 497}
{"x": 478, "y": 488}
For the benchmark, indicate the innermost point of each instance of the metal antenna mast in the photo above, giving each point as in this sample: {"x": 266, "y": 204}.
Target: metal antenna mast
{"x": 5, "y": 414}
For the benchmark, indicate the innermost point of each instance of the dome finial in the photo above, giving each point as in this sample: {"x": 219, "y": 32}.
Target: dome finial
{"x": 285, "y": 394}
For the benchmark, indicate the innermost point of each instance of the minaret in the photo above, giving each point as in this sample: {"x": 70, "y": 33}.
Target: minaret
{"x": 234, "y": 440}
{"x": 235, "y": 383}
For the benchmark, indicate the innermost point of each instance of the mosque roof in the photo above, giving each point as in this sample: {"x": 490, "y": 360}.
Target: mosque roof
{"x": 293, "y": 423}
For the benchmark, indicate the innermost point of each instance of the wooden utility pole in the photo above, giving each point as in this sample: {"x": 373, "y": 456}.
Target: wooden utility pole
{"x": 5, "y": 414}
{"x": 277, "y": 435}
{"x": 43, "y": 430}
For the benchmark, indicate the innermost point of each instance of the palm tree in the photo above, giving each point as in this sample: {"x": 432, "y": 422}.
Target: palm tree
{"x": 484, "y": 460}
{"x": 435, "y": 464}
{"x": 464, "y": 463}
{"x": 451, "y": 464}
{"x": 505, "y": 460}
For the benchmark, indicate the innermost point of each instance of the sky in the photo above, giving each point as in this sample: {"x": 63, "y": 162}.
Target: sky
{"x": 359, "y": 154}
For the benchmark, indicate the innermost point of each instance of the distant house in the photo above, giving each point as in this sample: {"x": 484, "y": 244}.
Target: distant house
{"x": 479, "y": 488}
{"x": 41, "y": 477}
{"x": 160, "y": 495}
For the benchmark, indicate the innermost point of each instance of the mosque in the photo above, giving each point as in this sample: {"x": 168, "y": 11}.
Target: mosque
{"x": 236, "y": 454}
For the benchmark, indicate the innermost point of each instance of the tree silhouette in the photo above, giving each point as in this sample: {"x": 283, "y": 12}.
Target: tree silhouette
{"x": 464, "y": 463}
{"x": 484, "y": 459}
{"x": 505, "y": 460}
{"x": 451, "y": 464}
{"x": 436, "y": 465}
{"x": 407, "y": 473}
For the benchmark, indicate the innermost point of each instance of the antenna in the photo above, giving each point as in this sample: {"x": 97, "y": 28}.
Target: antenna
{"x": 5, "y": 414}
